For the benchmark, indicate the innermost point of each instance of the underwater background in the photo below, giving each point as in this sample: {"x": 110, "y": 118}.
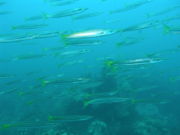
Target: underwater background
{"x": 90, "y": 67}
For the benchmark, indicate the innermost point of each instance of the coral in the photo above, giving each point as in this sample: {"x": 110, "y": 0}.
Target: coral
{"x": 147, "y": 110}
{"x": 151, "y": 126}
{"x": 97, "y": 128}
{"x": 56, "y": 132}
{"x": 51, "y": 132}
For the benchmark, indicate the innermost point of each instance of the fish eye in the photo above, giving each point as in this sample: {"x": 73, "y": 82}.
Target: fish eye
{"x": 102, "y": 32}
{"x": 81, "y": 9}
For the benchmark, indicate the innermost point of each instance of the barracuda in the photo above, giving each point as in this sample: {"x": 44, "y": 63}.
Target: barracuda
{"x": 90, "y": 33}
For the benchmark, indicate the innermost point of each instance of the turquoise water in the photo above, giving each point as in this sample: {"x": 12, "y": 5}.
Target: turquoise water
{"x": 99, "y": 67}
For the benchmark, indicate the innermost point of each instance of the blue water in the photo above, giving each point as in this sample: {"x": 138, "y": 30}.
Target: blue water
{"x": 50, "y": 88}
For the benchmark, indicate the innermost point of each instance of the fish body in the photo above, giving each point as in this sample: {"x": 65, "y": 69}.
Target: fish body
{"x": 100, "y": 94}
{"x": 63, "y": 2}
{"x": 82, "y": 42}
{"x": 88, "y": 85}
{"x": 29, "y": 26}
{"x": 131, "y": 6}
{"x": 163, "y": 11}
{"x": 70, "y": 53}
{"x": 106, "y": 100}
{"x": 30, "y": 124}
{"x": 19, "y": 39}
{"x": 141, "y": 26}
{"x": 90, "y": 33}
{"x": 72, "y": 118}
{"x": 142, "y": 61}
{"x": 29, "y": 56}
{"x": 29, "y": 37}
{"x": 129, "y": 41}
{"x": 87, "y": 15}
{"x": 66, "y": 13}
{"x": 34, "y": 18}
{"x": 65, "y": 81}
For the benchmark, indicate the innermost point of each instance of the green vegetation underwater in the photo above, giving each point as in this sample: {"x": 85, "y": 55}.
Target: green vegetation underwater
{"x": 89, "y": 67}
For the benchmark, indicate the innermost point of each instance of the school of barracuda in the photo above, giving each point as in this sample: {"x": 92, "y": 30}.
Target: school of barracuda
{"x": 78, "y": 70}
